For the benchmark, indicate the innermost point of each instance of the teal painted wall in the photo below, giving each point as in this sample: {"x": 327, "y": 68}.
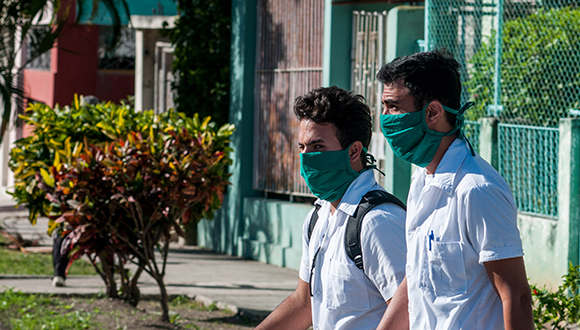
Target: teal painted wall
{"x": 273, "y": 231}
{"x": 543, "y": 249}
{"x": 221, "y": 234}
{"x": 136, "y": 7}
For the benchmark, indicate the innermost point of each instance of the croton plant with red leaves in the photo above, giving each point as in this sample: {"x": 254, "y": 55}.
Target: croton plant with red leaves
{"x": 118, "y": 201}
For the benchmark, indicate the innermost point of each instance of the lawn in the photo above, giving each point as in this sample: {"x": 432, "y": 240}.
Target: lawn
{"x": 17, "y": 262}
{"x": 51, "y": 312}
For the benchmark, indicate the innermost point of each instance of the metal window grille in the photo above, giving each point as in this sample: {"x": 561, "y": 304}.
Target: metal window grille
{"x": 520, "y": 62}
{"x": 288, "y": 64}
{"x": 533, "y": 178}
{"x": 368, "y": 48}
{"x": 42, "y": 61}
{"x": 368, "y": 44}
{"x": 122, "y": 57}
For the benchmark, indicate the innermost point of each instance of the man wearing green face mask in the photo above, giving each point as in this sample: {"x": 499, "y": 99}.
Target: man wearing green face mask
{"x": 332, "y": 292}
{"x": 464, "y": 261}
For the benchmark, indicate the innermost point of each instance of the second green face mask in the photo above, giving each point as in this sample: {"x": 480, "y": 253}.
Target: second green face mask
{"x": 411, "y": 139}
{"x": 328, "y": 174}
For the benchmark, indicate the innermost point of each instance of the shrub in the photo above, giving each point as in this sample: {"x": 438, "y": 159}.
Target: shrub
{"x": 61, "y": 129}
{"x": 561, "y": 309}
{"x": 119, "y": 199}
{"x": 540, "y": 69}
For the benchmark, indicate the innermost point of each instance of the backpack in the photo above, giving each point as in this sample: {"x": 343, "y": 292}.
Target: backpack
{"x": 353, "y": 226}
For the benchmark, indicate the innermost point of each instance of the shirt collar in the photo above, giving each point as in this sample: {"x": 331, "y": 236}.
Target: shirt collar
{"x": 444, "y": 178}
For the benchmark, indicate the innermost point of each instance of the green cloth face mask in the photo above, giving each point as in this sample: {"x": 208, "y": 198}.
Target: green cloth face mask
{"x": 412, "y": 140}
{"x": 328, "y": 174}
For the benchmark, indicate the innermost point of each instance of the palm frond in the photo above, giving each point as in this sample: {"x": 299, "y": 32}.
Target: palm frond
{"x": 10, "y": 91}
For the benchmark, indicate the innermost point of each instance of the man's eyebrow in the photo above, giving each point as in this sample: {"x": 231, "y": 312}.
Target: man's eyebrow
{"x": 389, "y": 101}
{"x": 311, "y": 142}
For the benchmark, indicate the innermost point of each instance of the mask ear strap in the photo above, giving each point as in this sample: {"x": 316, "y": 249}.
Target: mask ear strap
{"x": 371, "y": 161}
{"x": 460, "y": 121}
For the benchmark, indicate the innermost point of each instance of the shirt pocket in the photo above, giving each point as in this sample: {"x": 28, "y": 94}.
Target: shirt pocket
{"x": 345, "y": 288}
{"x": 447, "y": 274}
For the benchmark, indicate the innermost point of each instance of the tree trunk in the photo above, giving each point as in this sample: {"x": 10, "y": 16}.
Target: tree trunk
{"x": 110, "y": 276}
{"x": 163, "y": 298}
{"x": 134, "y": 293}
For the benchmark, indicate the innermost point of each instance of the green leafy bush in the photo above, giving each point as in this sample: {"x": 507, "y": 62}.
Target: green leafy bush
{"x": 61, "y": 129}
{"x": 540, "y": 69}
{"x": 121, "y": 185}
{"x": 561, "y": 309}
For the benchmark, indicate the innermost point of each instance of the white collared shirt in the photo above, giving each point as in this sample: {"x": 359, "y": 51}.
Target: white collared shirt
{"x": 463, "y": 216}
{"x": 345, "y": 297}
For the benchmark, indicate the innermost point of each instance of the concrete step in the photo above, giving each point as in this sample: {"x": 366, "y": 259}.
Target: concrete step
{"x": 17, "y": 221}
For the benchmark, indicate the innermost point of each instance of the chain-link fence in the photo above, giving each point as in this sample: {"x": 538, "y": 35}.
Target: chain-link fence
{"x": 520, "y": 62}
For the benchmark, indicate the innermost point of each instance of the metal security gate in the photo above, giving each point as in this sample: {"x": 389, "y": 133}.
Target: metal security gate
{"x": 288, "y": 64}
{"x": 368, "y": 46}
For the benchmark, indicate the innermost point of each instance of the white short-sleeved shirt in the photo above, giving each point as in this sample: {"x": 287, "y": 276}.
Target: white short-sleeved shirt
{"x": 345, "y": 297}
{"x": 457, "y": 219}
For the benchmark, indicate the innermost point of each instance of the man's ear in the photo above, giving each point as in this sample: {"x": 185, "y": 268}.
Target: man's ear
{"x": 354, "y": 154}
{"x": 434, "y": 115}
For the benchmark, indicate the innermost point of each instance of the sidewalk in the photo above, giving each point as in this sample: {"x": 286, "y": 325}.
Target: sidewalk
{"x": 244, "y": 286}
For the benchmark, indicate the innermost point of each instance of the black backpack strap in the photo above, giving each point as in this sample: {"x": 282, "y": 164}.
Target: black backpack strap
{"x": 353, "y": 226}
{"x": 313, "y": 220}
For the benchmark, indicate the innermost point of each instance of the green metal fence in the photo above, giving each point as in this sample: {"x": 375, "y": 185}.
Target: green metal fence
{"x": 528, "y": 160}
{"x": 520, "y": 62}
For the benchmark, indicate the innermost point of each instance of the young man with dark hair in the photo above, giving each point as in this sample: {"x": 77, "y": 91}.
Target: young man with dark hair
{"x": 464, "y": 261}
{"x": 333, "y": 292}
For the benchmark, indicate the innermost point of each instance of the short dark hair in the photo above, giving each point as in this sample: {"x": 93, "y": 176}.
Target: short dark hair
{"x": 346, "y": 110}
{"x": 432, "y": 75}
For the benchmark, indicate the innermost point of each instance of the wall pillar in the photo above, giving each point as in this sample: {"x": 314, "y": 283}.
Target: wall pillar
{"x": 146, "y": 36}
{"x": 488, "y": 140}
{"x": 569, "y": 189}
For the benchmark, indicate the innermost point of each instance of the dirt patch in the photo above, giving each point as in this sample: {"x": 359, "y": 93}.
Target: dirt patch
{"x": 111, "y": 314}
{"x": 117, "y": 315}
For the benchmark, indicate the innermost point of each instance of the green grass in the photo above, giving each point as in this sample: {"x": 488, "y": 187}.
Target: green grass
{"x": 185, "y": 302}
{"x": 29, "y": 311}
{"x": 15, "y": 262}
